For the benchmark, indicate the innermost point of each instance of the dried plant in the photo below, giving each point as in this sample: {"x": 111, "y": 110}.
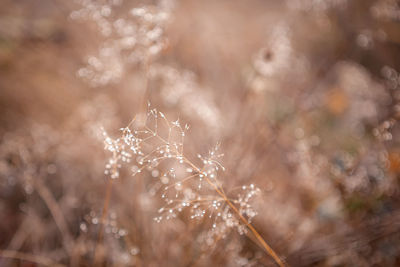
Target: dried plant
{"x": 135, "y": 39}
{"x": 303, "y": 94}
{"x": 182, "y": 184}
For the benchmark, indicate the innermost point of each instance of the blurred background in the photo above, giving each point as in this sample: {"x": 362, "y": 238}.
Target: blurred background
{"x": 303, "y": 95}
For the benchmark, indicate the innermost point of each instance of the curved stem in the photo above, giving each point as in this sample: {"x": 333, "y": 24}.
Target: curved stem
{"x": 264, "y": 244}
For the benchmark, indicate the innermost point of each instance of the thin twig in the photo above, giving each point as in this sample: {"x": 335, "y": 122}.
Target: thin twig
{"x": 102, "y": 220}
{"x": 56, "y": 212}
{"x": 12, "y": 254}
{"x": 264, "y": 244}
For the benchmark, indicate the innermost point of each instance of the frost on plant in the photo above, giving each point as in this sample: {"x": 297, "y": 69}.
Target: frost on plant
{"x": 132, "y": 39}
{"x": 156, "y": 146}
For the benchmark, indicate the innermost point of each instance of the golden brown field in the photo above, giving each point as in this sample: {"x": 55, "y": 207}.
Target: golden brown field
{"x": 199, "y": 133}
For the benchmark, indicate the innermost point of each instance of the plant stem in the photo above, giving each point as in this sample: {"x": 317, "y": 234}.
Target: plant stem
{"x": 102, "y": 220}
{"x": 264, "y": 244}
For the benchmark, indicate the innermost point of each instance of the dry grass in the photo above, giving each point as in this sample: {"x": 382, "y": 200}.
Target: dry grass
{"x": 277, "y": 143}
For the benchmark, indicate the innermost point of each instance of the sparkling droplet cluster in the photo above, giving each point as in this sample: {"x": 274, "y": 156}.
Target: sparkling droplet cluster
{"x": 133, "y": 38}
{"x": 157, "y": 146}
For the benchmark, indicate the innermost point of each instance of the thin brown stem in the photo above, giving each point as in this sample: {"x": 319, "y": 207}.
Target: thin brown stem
{"x": 221, "y": 192}
{"x": 102, "y": 220}
{"x": 16, "y": 255}
{"x": 260, "y": 239}
{"x": 56, "y": 212}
